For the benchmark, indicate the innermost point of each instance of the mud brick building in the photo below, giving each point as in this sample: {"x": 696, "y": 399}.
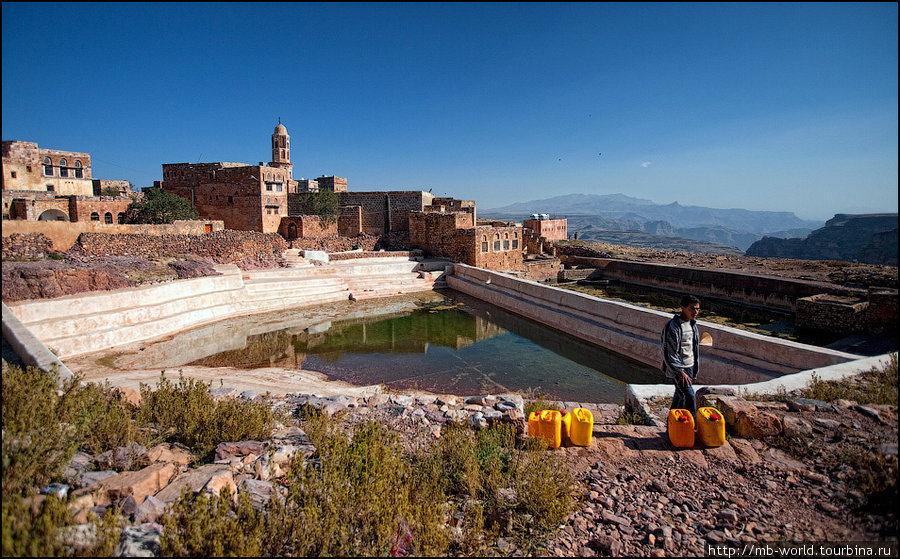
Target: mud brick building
{"x": 41, "y": 184}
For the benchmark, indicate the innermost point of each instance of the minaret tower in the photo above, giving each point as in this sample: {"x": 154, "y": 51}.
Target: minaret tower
{"x": 281, "y": 149}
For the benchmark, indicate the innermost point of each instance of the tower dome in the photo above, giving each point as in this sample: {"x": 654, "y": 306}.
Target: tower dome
{"x": 280, "y": 129}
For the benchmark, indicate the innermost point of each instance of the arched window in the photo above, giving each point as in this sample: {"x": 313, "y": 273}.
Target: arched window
{"x": 79, "y": 173}
{"x": 108, "y": 218}
{"x": 120, "y": 218}
{"x": 48, "y": 167}
{"x": 63, "y": 171}
{"x": 95, "y": 216}
{"x": 268, "y": 176}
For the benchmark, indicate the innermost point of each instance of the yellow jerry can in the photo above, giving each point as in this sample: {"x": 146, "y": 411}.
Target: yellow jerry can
{"x": 681, "y": 428}
{"x": 551, "y": 427}
{"x": 582, "y": 427}
{"x": 534, "y": 424}
{"x": 711, "y": 426}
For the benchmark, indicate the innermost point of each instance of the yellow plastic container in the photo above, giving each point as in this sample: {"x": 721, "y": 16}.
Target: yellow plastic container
{"x": 550, "y": 427}
{"x": 681, "y": 428}
{"x": 711, "y": 426}
{"x": 534, "y": 424}
{"x": 582, "y": 427}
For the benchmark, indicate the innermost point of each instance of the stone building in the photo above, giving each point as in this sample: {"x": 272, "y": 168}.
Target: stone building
{"x": 41, "y": 184}
{"x": 247, "y": 197}
{"x": 455, "y": 235}
{"x": 549, "y": 229}
{"x": 27, "y": 167}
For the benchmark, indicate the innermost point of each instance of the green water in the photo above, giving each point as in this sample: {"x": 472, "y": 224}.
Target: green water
{"x": 455, "y": 345}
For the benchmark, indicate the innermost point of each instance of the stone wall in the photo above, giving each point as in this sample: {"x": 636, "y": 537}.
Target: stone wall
{"x": 543, "y": 269}
{"x": 249, "y": 248}
{"x": 830, "y": 313}
{"x": 26, "y": 247}
{"x": 350, "y": 221}
{"x": 63, "y": 234}
{"x": 387, "y": 211}
{"x": 306, "y": 227}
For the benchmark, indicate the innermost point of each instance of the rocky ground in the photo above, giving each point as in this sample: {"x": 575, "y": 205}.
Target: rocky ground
{"x": 637, "y": 494}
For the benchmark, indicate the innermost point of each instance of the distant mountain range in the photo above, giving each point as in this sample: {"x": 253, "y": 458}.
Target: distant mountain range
{"x": 868, "y": 238}
{"x": 598, "y": 217}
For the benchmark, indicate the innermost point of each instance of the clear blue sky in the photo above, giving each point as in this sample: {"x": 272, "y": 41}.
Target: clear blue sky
{"x": 787, "y": 107}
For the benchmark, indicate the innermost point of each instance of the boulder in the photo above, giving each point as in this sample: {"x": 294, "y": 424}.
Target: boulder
{"x": 756, "y": 425}
{"x": 177, "y": 454}
{"x": 196, "y": 480}
{"x": 239, "y": 448}
{"x": 795, "y": 426}
{"x": 140, "y": 484}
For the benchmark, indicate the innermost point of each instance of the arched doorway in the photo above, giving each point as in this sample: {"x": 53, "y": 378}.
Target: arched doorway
{"x": 292, "y": 231}
{"x": 53, "y": 215}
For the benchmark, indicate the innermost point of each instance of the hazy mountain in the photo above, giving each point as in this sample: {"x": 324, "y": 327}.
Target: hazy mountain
{"x": 620, "y": 206}
{"x": 865, "y": 238}
{"x": 617, "y": 212}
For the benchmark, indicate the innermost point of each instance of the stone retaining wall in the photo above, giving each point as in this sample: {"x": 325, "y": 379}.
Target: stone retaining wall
{"x": 64, "y": 234}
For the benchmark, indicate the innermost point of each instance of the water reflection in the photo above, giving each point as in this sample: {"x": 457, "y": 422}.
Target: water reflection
{"x": 455, "y": 345}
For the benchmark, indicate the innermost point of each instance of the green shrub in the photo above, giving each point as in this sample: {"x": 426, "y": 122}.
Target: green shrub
{"x": 109, "y": 420}
{"x": 186, "y": 413}
{"x": 32, "y": 531}
{"x": 536, "y": 403}
{"x": 38, "y": 439}
{"x": 357, "y": 496}
{"x": 213, "y": 526}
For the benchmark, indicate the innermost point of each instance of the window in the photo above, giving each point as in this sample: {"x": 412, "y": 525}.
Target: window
{"x": 268, "y": 176}
{"x": 120, "y": 218}
{"x": 63, "y": 171}
{"x": 12, "y": 174}
{"x": 27, "y": 168}
{"x": 505, "y": 245}
{"x": 515, "y": 244}
{"x": 278, "y": 187}
{"x": 496, "y": 246}
{"x": 484, "y": 246}
{"x": 95, "y": 216}
{"x": 48, "y": 167}
{"x": 108, "y": 218}
{"x": 269, "y": 186}
{"x": 50, "y": 188}
{"x": 231, "y": 200}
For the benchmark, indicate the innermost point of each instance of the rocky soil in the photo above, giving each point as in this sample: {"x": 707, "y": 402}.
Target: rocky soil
{"x": 637, "y": 494}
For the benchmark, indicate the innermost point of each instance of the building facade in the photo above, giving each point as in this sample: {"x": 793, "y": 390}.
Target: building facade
{"x": 41, "y": 184}
{"x": 549, "y": 229}
{"x": 29, "y": 168}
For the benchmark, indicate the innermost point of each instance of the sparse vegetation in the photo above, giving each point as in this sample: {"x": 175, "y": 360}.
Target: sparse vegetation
{"x": 186, "y": 413}
{"x": 362, "y": 493}
{"x": 876, "y": 386}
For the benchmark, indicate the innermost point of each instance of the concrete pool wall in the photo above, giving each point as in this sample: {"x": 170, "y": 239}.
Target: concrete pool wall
{"x": 87, "y": 323}
{"x": 84, "y": 323}
{"x": 736, "y": 357}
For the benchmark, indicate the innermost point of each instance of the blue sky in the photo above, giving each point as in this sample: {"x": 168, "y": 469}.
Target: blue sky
{"x": 786, "y": 107}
